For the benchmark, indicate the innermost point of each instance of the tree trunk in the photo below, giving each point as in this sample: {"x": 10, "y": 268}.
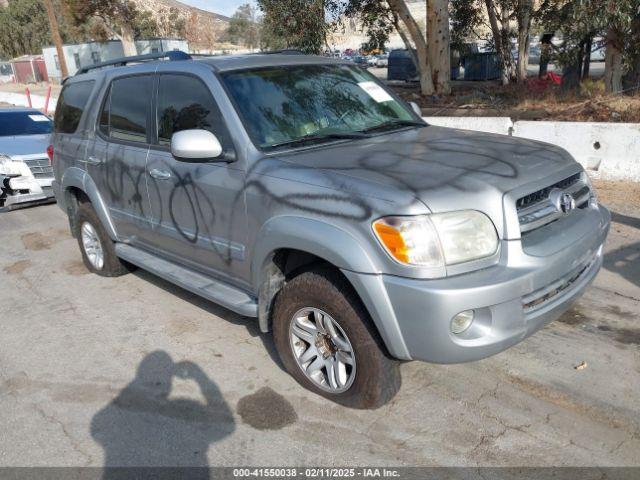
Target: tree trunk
{"x": 613, "y": 62}
{"x": 128, "y": 41}
{"x": 426, "y": 82}
{"x": 545, "y": 53}
{"x": 57, "y": 40}
{"x": 438, "y": 45}
{"x": 502, "y": 48}
{"x": 586, "y": 62}
{"x": 524, "y": 26}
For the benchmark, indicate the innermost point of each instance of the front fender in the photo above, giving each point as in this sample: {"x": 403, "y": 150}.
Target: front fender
{"x": 319, "y": 238}
{"x": 78, "y": 178}
{"x": 337, "y": 247}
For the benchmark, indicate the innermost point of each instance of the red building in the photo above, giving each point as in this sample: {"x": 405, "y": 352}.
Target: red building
{"x": 29, "y": 69}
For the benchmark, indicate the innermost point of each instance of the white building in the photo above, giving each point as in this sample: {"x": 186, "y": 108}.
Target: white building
{"x": 83, "y": 54}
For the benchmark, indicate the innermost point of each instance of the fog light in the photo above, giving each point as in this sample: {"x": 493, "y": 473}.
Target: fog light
{"x": 461, "y": 321}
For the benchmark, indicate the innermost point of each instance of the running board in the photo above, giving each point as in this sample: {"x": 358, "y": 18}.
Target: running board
{"x": 214, "y": 290}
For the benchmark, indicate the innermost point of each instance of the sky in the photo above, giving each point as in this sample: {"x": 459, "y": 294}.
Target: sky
{"x": 225, "y": 7}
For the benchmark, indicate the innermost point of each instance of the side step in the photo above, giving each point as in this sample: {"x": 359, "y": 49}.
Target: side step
{"x": 214, "y": 290}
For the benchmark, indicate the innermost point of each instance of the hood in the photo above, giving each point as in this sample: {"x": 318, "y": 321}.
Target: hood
{"x": 447, "y": 169}
{"x": 24, "y": 145}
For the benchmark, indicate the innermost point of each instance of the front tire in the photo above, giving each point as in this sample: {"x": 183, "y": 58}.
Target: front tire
{"x": 326, "y": 341}
{"x": 98, "y": 250}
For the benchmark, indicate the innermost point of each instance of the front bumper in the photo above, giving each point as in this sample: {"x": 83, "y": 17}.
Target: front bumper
{"x": 20, "y": 191}
{"x": 526, "y": 290}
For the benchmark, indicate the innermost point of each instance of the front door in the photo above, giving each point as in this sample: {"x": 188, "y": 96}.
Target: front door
{"x": 118, "y": 154}
{"x": 197, "y": 208}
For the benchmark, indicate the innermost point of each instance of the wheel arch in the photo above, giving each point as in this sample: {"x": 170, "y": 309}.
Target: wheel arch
{"x": 290, "y": 245}
{"x": 78, "y": 186}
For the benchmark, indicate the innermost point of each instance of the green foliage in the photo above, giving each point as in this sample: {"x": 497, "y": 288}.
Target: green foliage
{"x": 578, "y": 20}
{"x": 466, "y": 18}
{"x": 105, "y": 18}
{"x": 377, "y": 19}
{"x": 24, "y": 28}
{"x": 296, "y": 24}
{"x": 244, "y": 26}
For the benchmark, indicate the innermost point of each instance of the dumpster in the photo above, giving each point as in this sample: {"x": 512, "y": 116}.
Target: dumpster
{"x": 401, "y": 66}
{"x": 481, "y": 66}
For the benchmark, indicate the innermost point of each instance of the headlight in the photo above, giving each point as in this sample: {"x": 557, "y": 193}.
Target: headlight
{"x": 438, "y": 239}
{"x": 8, "y": 167}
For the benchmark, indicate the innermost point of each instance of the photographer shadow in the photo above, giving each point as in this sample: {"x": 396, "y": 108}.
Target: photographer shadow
{"x": 144, "y": 427}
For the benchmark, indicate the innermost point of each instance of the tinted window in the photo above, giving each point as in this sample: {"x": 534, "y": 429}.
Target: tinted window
{"x": 71, "y": 104}
{"x": 185, "y": 103}
{"x": 105, "y": 114}
{"x": 129, "y": 108}
{"x": 23, "y": 123}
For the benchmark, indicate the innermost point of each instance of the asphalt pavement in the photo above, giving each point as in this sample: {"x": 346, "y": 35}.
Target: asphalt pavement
{"x": 135, "y": 371}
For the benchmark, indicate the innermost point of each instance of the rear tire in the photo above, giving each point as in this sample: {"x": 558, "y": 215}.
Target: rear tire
{"x": 98, "y": 250}
{"x": 370, "y": 380}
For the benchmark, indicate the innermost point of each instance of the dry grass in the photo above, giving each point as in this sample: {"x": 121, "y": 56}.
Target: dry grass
{"x": 532, "y": 101}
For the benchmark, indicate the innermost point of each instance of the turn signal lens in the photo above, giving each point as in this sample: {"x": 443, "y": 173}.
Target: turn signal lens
{"x": 410, "y": 240}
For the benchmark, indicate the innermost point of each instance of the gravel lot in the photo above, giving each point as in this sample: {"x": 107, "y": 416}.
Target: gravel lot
{"x": 92, "y": 373}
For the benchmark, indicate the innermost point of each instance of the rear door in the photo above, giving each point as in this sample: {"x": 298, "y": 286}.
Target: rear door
{"x": 117, "y": 158}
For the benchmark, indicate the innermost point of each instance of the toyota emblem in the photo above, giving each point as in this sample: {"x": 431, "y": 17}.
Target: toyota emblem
{"x": 567, "y": 203}
{"x": 563, "y": 201}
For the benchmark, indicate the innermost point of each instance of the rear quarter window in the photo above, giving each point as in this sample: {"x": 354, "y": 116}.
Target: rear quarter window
{"x": 71, "y": 105}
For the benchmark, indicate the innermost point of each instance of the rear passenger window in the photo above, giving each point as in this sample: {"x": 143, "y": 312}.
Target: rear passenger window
{"x": 184, "y": 103}
{"x": 125, "y": 113}
{"x": 71, "y": 105}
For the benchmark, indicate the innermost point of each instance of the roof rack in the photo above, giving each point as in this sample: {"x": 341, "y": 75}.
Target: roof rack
{"x": 286, "y": 51}
{"x": 172, "y": 55}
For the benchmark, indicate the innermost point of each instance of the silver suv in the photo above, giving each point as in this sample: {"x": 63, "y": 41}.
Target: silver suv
{"x": 300, "y": 191}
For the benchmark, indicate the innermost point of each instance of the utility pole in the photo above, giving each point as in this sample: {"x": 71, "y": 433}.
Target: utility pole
{"x": 55, "y": 34}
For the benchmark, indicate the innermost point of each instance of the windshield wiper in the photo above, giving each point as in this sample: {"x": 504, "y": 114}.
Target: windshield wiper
{"x": 391, "y": 124}
{"x": 313, "y": 137}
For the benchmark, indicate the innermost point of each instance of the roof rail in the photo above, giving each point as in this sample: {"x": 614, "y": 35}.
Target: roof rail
{"x": 286, "y": 51}
{"x": 171, "y": 55}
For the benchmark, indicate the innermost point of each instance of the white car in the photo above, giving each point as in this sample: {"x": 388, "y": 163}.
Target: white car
{"x": 25, "y": 169}
{"x": 382, "y": 61}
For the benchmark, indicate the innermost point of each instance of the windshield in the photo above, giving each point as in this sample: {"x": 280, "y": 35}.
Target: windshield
{"x": 24, "y": 123}
{"x": 283, "y": 104}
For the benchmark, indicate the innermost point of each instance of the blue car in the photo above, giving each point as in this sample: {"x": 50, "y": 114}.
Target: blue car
{"x": 25, "y": 168}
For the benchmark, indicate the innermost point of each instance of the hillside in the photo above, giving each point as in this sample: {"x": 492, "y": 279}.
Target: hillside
{"x": 203, "y": 29}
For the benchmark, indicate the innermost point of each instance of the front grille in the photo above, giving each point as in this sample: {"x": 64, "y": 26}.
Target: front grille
{"x": 537, "y": 209}
{"x": 40, "y": 167}
{"x": 543, "y": 194}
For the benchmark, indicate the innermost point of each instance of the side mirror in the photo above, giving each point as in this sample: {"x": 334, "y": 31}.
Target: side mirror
{"x": 416, "y": 109}
{"x": 195, "y": 145}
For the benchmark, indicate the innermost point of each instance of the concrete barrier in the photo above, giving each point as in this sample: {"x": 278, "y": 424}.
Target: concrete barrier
{"x": 20, "y": 100}
{"x": 501, "y": 125}
{"x": 606, "y": 150}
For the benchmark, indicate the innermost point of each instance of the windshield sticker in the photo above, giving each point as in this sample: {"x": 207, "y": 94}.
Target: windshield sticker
{"x": 39, "y": 118}
{"x": 375, "y": 91}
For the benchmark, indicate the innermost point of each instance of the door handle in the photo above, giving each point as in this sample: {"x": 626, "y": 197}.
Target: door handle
{"x": 94, "y": 161}
{"x": 160, "y": 174}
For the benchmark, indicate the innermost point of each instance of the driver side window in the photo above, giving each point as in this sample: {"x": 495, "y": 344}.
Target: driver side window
{"x": 184, "y": 103}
